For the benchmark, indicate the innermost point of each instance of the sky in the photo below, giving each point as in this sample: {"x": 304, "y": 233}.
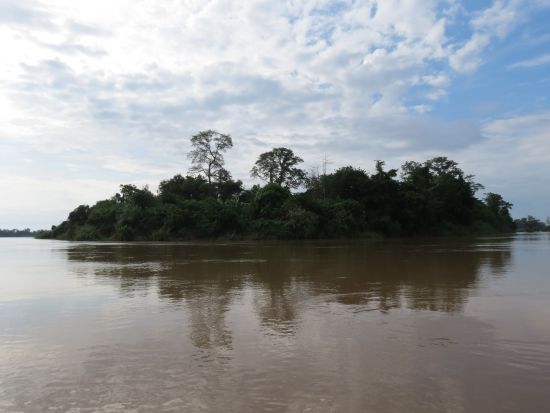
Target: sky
{"x": 97, "y": 94}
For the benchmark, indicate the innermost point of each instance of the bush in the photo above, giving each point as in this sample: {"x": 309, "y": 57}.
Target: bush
{"x": 270, "y": 229}
{"x": 301, "y": 223}
{"x": 385, "y": 225}
{"x": 269, "y": 200}
{"x": 344, "y": 218}
{"x": 86, "y": 233}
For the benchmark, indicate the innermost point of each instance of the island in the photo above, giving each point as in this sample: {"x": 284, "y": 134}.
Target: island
{"x": 434, "y": 197}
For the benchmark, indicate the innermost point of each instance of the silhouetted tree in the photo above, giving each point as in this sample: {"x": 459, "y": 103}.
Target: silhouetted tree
{"x": 79, "y": 215}
{"x": 530, "y": 224}
{"x": 207, "y": 153}
{"x": 226, "y": 187}
{"x": 279, "y": 166}
{"x": 188, "y": 187}
{"x": 346, "y": 183}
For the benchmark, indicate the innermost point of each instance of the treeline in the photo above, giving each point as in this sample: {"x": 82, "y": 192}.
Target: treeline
{"x": 531, "y": 224}
{"x": 27, "y": 232}
{"x": 430, "y": 198}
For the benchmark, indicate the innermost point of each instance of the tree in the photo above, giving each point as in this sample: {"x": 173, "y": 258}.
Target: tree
{"x": 226, "y": 187}
{"x": 186, "y": 187}
{"x": 500, "y": 211}
{"x": 79, "y": 215}
{"x": 279, "y": 166}
{"x": 498, "y": 205}
{"x": 436, "y": 195}
{"x": 347, "y": 183}
{"x": 131, "y": 194}
{"x": 530, "y": 224}
{"x": 207, "y": 154}
{"x": 432, "y": 197}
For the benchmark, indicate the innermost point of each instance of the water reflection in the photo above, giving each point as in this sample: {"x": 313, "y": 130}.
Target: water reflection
{"x": 286, "y": 278}
{"x": 399, "y": 325}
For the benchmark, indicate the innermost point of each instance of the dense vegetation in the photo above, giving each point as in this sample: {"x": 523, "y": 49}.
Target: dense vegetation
{"x": 18, "y": 233}
{"x": 531, "y": 224}
{"x": 429, "y": 198}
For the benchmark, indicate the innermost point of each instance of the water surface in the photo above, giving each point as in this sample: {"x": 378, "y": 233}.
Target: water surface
{"x": 432, "y": 325}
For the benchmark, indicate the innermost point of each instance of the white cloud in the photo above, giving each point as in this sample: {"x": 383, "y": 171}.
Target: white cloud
{"x": 114, "y": 88}
{"x": 499, "y": 19}
{"x": 439, "y": 80}
{"x": 422, "y": 108}
{"x": 536, "y": 61}
{"x": 467, "y": 58}
{"x": 495, "y": 22}
{"x": 128, "y": 165}
{"x": 32, "y": 200}
{"x": 513, "y": 160}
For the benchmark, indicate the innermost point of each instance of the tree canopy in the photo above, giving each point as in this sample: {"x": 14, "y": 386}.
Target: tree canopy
{"x": 421, "y": 198}
{"x": 207, "y": 154}
{"x": 532, "y": 224}
{"x": 278, "y": 166}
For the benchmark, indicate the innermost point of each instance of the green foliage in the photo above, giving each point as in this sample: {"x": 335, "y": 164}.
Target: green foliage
{"x": 226, "y": 187}
{"x": 188, "y": 187}
{"x": 80, "y": 215}
{"x": 531, "y": 224}
{"x": 269, "y": 201}
{"x": 343, "y": 218}
{"x": 278, "y": 166}
{"x": 346, "y": 183}
{"x": 301, "y": 224}
{"x": 27, "y": 232}
{"x": 434, "y": 197}
{"x": 269, "y": 229}
{"x": 437, "y": 195}
{"x": 103, "y": 216}
{"x": 498, "y": 212}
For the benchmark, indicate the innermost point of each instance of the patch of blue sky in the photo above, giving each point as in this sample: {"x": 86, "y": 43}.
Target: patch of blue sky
{"x": 471, "y": 7}
{"x": 459, "y": 19}
{"x": 320, "y": 33}
{"x": 501, "y": 87}
{"x": 331, "y": 9}
{"x": 375, "y": 97}
{"x": 373, "y": 10}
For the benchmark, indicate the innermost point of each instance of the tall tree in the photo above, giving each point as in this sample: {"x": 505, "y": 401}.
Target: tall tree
{"x": 279, "y": 166}
{"x": 497, "y": 204}
{"x": 207, "y": 153}
{"x": 500, "y": 210}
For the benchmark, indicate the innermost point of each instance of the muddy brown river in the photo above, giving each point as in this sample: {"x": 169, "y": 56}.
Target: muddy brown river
{"x": 417, "y": 325}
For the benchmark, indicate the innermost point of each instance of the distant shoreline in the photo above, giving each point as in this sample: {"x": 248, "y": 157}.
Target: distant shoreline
{"x": 19, "y": 233}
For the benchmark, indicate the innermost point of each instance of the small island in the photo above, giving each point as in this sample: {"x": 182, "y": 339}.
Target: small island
{"x": 434, "y": 197}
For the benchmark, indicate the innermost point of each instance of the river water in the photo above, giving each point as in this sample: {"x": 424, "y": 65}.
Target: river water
{"x": 420, "y": 325}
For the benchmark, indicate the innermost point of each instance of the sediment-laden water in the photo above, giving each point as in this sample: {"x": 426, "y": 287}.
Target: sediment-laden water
{"x": 419, "y": 325}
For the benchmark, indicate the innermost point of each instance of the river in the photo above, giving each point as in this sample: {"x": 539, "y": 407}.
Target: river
{"x": 414, "y": 325}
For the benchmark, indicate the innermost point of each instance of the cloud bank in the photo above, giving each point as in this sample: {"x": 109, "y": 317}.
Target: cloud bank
{"x": 93, "y": 94}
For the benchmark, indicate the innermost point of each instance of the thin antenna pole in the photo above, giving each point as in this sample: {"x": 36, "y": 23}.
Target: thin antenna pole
{"x": 325, "y": 163}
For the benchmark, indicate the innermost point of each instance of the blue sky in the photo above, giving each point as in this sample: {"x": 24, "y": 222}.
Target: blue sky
{"x": 95, "y": 94}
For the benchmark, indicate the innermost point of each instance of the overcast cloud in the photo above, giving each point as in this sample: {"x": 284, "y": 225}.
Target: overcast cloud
{"x": 94, "y": 94}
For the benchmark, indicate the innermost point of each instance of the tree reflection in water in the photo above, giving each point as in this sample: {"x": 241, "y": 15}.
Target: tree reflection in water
{"x": 284, "y": 278}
